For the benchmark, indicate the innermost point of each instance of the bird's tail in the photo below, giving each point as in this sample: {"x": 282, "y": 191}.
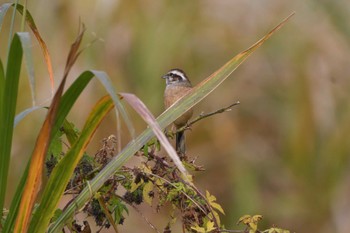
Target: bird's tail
{"x": 180, "y": 143}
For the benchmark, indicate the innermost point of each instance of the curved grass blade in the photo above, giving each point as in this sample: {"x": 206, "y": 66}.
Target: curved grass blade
{"x": 7, "y": 111}
{"x": 70, "y": 97}
{"x": 61, "y": 174}
{"x": 28, "y": 61}
{"x": 74, "y": 91}
{"x": 147, "y": 116}
{"x": 3, "y": 9}
{"x": 67, "y": 101}
{"x": 25, "y": 113}
{"x": 11, "y": 217}
{"x": 198, "y": 93}
{"x": 30, "y": 21}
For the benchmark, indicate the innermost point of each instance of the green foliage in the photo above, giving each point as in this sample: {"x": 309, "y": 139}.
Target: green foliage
{"x": 118, "y": 208}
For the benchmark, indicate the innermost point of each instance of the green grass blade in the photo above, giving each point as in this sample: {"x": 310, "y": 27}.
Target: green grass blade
{"x": 2, "y": 82}
{"x": 7, "y": 111}
{"x": 71, "y": 134}
{"x": 74, "y": 91}
{"x": 26, "y": 50}
{"x": 69, "y": 98}
{"x": 16, "y": 200}
{"x": 199, "y": 92}
{"x": 72, "y": 94}
{"x": 61, "y": 174}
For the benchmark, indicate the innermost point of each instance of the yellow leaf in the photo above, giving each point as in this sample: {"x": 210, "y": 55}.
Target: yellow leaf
{"x": 187, "y": 177}
{"x": 145, "y": 192}
{"x": 253, "y": 226}
{"x": 211, "y": 199}
{"x": 217, "y": 217}
{"x": 145, "y": 169}
{"x": 250, "y": 221}
{"x": 245, "y": 219}
{"x": 257, "y": 218}
{"x": 210, "y": 226}
{"x": 159, "y": 182}
{"x": 198, "y": 229}
{"x": 217, "y": 207}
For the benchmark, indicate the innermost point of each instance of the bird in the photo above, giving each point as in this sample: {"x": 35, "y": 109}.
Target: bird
{"x": 178, "y": 85}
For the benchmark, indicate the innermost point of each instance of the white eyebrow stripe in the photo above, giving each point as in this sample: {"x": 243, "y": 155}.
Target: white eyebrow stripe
{"x": 178, "y": 73}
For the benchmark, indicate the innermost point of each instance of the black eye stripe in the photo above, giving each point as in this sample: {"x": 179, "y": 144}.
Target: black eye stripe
{"x": 176, "y": 75}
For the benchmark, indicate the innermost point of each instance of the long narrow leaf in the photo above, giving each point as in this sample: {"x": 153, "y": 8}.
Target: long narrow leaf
{"x": 199, "y": 92}
{"x": 24, "y": 113}
{"x": 28, "y": 61}
{"x": 142, "y": 110}
{"x": 2, "y": 82}
{"x": 30, "y": 21}
{"x": 61, "y": 174}
{"x": 7, "y": 111}
{"x": 16, "y": 200}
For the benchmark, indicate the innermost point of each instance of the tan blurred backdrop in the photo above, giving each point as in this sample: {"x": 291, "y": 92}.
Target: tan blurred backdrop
{"x": 283, "y": 153}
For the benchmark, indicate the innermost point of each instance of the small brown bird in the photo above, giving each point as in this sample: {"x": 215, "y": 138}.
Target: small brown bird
{"x": 177, "y": 85}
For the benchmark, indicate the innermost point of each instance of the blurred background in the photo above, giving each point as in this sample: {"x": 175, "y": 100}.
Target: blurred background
{"x": 282, "y": 153}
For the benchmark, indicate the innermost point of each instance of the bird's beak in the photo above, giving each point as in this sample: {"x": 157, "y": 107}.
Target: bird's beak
{"x": 165, "y": 76}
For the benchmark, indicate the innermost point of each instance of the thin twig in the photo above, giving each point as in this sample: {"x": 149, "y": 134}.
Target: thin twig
{"x": 202, "y": 116}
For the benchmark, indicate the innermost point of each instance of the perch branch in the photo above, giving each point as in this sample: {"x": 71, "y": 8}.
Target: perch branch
{"x": 203, "y": 116}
